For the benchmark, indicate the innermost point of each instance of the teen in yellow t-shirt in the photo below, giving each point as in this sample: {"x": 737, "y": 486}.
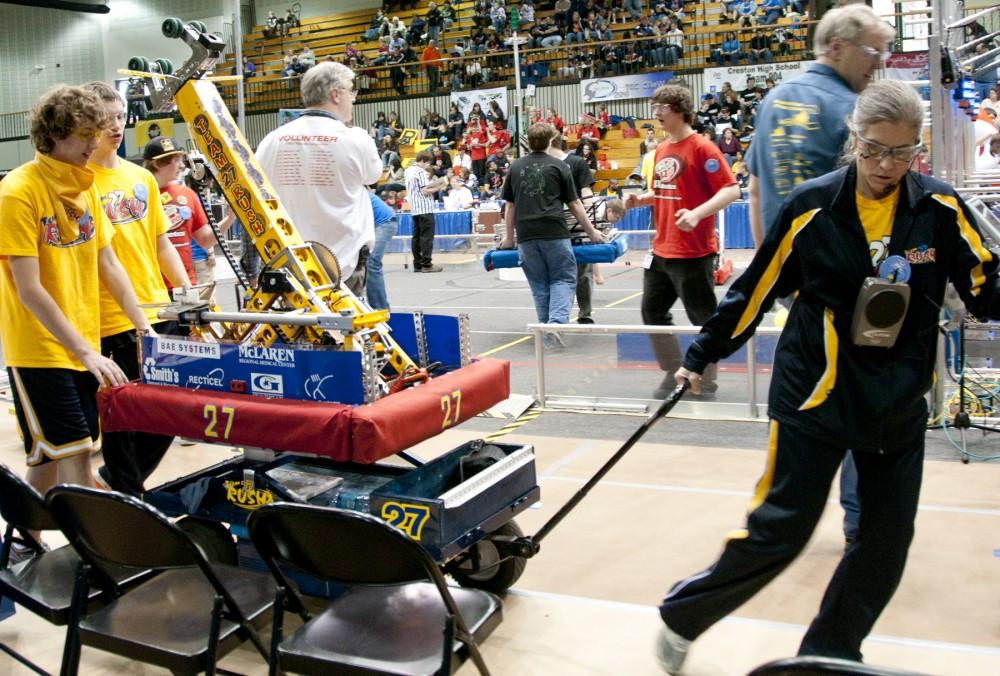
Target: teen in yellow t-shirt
{"x": 130, "y": 199}
{"x": 53, "y": 251}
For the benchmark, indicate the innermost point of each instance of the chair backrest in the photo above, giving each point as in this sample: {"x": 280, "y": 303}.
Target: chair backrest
{"x": 118, "y": 528}
{"x": 337, "y": 544}
{"x": 21, "y": 505}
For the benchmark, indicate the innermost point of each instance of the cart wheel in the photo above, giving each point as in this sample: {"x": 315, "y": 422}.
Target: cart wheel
{"x": 198, "y": 26}
{"x": 140, "y": 63}
{"x": 172, "y": 27}
{"x": 165, "y": 65}
{"x": 214, "y": 539}
{"x": 489, "y": 573}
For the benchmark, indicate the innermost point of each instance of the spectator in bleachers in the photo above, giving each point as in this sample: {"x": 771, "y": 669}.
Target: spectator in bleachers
{"x": 456, "y": 123}
{"x": 440, "y": 161}
{"x": 575, "y": 31}
{"x": 291, "y": 21}
{"x": 562, "y": 14}
{"x": 634, "y": 9}
{"x": 526, "y": 13}
{"x": 589, "y": 131}
{"x": 388, "y": 150}
{"x": 397, "y": 72}
{"x": 434, "y": 22}
{"x": 773, "y": 10}
{"x": 749, "y": 94}
{"x": 393, "y": 177}
{"x": 759, "y": 50}
{"x": 674, "y": 40}
{"x": 481, "y": 14}
{"x": 271, "y": 26}
{"x": 495, "y": 113}
{"x": 631, "y": 58}
{"x": 493, "y": 48}
{"x": 375, "y": 27}
{"x": 447, "y": 15}
{"x": 397, "y": 27}
{"x": 470, "y": 179}
{"x": 477, "y": 41}
{"x": 729, "y": 51}
{"x": 731, "y": 101}
{"x": 396, "y": 125}
{"x": 609, "y": 60}
{"x": 473, "y": 73}
{"x": 587, "y": 153}
{"x": 459, "y": 197}
{"x": 729, "y": 144}
{"x": 649, "y": 143}
{"x": 417, "y": 33}
{"x": 306, "y": 60}
{"x": 498, "y": 140}
{"x": 729, "y": 11}
{"x": 379, "y": 128}
{"x": 746, "y": 13}
{"x": 493, "y": 180}
{"x": 461, "y": 159}
{"x": 546, "y": 34}
{"x": 430, "y": 59}
{"x": 476, "y": 140}
{"x": 498, "y": 16}
{"x": 552, "y": 118}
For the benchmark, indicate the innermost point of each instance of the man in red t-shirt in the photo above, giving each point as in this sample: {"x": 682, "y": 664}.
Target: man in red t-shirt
{"x": 187, "y": 218}
{"x": 691, "y": 182}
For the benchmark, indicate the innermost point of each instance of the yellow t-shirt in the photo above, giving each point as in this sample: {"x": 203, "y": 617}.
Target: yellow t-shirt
{"x": 131, "y": 201}
{"x": 68, "y": 269}
{"x": 876, "y": 219}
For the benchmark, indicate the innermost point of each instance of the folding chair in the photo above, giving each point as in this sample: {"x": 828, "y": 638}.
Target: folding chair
{"x": 44, "y": 583}
{"x": 184, "y": 619}
{"x": 398, "y": 616}
{"x": 810, "y": 665}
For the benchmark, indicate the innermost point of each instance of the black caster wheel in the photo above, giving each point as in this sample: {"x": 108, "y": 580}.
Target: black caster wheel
{"x": 140, "y": 63}
{"x": 165, "y": 66}
{"x": 172, "y": 27}
{"x": 486, "y": 569}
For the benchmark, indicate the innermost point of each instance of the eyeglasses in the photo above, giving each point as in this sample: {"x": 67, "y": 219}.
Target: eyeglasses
{"x": 900, "y": 155}
{"x": 658, "y": 107}
{"x": 87, "y": 134}
{"x": 352, "y": 91}
{"x": 872, "y": 53}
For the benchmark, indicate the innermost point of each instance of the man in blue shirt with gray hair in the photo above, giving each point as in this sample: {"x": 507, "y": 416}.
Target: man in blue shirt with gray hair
{"x": 801, "y": 125}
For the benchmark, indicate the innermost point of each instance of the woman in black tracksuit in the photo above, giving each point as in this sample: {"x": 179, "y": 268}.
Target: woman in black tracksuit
{"x": 830, "y": 394}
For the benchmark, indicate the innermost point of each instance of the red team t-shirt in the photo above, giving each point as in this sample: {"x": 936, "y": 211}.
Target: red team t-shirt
{"x": 184, "y": 212}
{"x": 685, "y": 175}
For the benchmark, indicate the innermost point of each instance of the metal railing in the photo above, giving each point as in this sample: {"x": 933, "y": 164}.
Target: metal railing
{"x": 752, "y": 408}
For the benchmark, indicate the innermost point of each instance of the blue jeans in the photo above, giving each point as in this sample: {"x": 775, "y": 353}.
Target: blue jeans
{"x": 550, "y": 266}
{"x": 375, "y": 284}
{"x": 849, "y": 499}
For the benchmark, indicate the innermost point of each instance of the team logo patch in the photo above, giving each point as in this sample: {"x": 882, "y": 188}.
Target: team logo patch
{"x": 921, "y": 254}
{"x": 669, "y": 168}
{"x": 181, "y": 199}
{"x": 711, "y": 165}
{"x": 140, "y": 192}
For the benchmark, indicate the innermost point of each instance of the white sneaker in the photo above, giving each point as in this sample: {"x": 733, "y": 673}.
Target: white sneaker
{"x": 671, "y": 650}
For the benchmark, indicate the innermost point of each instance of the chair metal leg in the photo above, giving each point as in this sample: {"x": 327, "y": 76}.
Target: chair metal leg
{"x": 23, "y": 660}
{"x": 448, "y": 647}
{"x": 213, "y": 636}
{"x": 277, "y": 628}
{"x": 71, "y": 649}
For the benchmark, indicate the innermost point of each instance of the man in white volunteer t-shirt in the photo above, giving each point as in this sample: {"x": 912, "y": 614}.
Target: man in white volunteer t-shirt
{"x": 320, "y": 167}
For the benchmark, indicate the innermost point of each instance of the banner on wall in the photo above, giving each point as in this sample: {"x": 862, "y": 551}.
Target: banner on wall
{"x": 640, "y": 86}
{"x": 465, "y": 100}
{"x": 910, "y": 66}
{"x": 737, "y": 75}
{"x": 147, "y": 130}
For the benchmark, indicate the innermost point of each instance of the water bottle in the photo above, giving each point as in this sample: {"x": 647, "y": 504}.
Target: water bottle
{"x": 515, "y": 19}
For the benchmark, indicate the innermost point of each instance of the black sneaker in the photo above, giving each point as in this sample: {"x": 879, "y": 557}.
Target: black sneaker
{"x": 432, "y": 268}
{"x": 584, "y": 320}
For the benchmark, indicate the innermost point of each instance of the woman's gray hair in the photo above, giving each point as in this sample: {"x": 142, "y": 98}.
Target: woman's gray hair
{"x": 322, "y": 79}
{"x": 888, "y": 101}
{"x": 848, "y": 23}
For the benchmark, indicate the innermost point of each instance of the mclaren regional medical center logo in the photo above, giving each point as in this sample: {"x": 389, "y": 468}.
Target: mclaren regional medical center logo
{"x": 625, "y": 87}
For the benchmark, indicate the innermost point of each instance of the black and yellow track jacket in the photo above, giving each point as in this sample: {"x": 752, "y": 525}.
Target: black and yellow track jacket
{"x": 866, "y": 398}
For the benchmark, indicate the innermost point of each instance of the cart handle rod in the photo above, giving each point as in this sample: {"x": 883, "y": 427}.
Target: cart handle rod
{"x": 660, "y": 412}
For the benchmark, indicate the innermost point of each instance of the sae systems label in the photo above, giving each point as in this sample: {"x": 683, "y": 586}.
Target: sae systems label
{"x": 277, "y": 371}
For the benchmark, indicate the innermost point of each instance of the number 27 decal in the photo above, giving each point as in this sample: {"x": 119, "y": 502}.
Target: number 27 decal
{"x": 409, "y": 518}
{"x": 451, "y": 404}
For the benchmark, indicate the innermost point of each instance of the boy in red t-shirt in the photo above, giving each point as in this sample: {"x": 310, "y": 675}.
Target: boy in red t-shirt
{"x": 691, "y": 182}
{"x": 187, "y": 218}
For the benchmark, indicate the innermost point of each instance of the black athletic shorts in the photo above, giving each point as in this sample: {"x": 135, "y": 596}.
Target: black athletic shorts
{"x": 56, "y": 411}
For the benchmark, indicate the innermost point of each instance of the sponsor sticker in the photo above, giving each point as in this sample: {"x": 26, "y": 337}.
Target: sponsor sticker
{"x": 188, "y": 348}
